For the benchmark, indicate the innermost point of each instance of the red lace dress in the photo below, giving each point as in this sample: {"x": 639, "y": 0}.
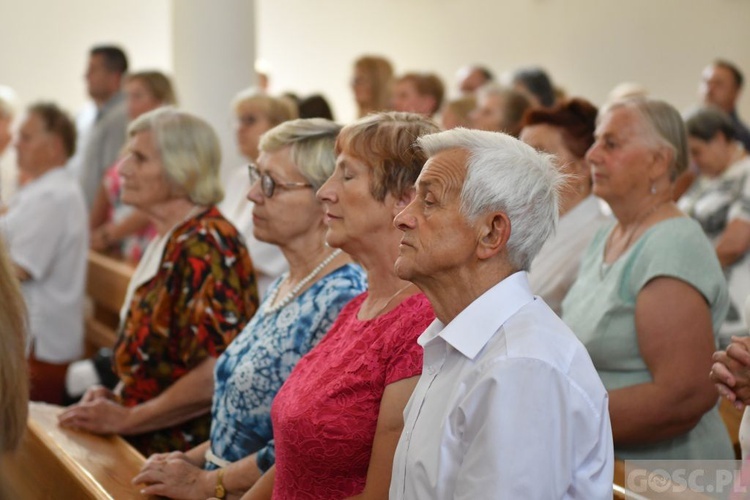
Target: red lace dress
{"x": 325, "y": 415}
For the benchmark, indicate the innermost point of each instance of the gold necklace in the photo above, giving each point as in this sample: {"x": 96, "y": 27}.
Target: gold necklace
{"x": 604, "y": 267}
{"x": 379, "y": 311}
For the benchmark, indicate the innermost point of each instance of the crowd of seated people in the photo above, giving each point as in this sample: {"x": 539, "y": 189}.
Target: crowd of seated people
{"x": 354, "y": 296}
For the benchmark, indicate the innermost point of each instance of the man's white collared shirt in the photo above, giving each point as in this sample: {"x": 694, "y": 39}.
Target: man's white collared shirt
{"x": 46, "y": 233}
{"x": 509, "y": 405}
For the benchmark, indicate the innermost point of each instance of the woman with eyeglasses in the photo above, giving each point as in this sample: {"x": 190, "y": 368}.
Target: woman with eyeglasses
{"x": 255, "y": 113}
{"x": 296, "y": 158}
{"x": 339, "y": 415}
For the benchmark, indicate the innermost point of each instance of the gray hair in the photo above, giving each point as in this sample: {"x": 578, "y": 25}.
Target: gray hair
{"x": 705, "y": 122}
{"x": 276, "y": 109}
{"x": 189, "y": 151}
{"x": 514, "y": 105}
{"x": 504, "y": 174}
{"x": 311, "y": 141}
{"x": 664, "y": 128}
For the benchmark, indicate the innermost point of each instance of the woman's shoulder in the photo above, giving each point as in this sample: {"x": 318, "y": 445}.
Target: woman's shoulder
{"x": 349, "y": 274}
{"x": 679, "y": 248}
{"x": 409, "y": 319}
{"x": 209, "y": 223}
{"x": 334, "y": 289}
{"x": 675, "y": 232}
{"x": 208, "y": 231}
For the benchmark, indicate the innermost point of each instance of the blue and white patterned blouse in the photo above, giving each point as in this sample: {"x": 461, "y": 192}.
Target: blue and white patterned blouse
{"x": 255, "y": 365}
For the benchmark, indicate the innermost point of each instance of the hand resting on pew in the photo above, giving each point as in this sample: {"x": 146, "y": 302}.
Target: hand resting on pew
{"x": 100, "y": 412}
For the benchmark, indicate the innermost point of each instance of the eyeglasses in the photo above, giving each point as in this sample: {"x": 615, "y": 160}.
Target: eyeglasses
{"x": 268, "y": 185}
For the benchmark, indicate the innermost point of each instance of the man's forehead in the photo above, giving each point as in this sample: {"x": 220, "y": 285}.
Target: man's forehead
{"x": 447, "y": 165}
{"x": 717, "y": 72}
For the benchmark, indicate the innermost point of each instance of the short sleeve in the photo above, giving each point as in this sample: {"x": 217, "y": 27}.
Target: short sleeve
{"x": 406, "y": 358}
{"x": 32, "y": 232}
{"x": 679, "y": 249}
{"x": 740, "y": 209}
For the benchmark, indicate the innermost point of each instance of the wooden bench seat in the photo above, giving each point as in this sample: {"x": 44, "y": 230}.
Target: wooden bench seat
{"x": 56, "y": 462}
{"x": 106, "y": 285}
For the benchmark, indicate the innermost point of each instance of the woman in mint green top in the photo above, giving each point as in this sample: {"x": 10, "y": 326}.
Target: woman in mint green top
{"x": 650, "y": 294}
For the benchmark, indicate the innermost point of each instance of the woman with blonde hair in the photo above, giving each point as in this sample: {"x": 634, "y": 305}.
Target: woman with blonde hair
{"x": 457, "y": 112}
{"x": 650, "y": 295}
{"x": 255, "y": 114}
{"x": 371, "y": 84}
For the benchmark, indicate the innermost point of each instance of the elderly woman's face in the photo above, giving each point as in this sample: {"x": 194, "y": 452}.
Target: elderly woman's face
{"x": 252, "y": 122}
{"x": 144, "y": 182}
{"x": 352, "y": 214}
{"x": 549, "y": 139}
{"x": 292, "y": 211}
{"x": 620, "y": 157}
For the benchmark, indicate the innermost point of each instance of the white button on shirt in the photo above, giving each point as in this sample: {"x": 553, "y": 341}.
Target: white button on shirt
{"x": 509, "y": 405}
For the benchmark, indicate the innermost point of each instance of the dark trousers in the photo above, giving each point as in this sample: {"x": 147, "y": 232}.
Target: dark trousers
{"x": 47, "y": 380}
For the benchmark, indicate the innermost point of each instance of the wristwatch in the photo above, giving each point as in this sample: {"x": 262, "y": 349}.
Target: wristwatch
{"x": 220, "y": 492}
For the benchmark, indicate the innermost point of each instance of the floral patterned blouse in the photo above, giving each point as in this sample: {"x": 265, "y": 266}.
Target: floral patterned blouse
{"x": 251, "y": 371}
{"x": 199, "y": 300}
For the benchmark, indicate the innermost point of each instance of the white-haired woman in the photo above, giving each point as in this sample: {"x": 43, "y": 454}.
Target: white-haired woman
{"x": 255, "y": 113}
{"x": 650, "y": 295}
{"x": 296, "y": 158}
{"x": 190, "y": 295}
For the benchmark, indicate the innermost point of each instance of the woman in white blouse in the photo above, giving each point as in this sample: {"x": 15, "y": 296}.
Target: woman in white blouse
{"x": 565, "y": 131}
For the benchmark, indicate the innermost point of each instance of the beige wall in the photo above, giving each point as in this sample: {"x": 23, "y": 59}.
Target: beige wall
{"x": 44, "y": 43}
{"x": 587, "y": 45}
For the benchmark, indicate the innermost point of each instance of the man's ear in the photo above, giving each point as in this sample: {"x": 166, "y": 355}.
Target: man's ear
{"x": 404, "y": 200}
{"x": 494, "y": 234}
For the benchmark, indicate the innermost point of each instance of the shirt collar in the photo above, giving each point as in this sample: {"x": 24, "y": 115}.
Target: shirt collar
{"x": 470, "y": 331}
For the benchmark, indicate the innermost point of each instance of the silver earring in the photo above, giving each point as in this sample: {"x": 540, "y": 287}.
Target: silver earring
{"x": 653, "y": 188}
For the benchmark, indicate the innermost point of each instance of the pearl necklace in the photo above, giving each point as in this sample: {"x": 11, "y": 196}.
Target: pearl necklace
{"x": 271, "y": 308}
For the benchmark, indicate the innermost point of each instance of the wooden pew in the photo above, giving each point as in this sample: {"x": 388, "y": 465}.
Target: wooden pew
{"x": 732, "y": 418}
{"x": 55, "y": 462}
{"x": 106, "y": 285}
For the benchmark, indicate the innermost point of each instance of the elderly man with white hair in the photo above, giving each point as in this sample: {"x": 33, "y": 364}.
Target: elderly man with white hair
{"x": 509, "y": 404}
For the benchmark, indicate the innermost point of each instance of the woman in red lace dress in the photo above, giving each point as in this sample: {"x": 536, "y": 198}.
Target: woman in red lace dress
{"x": 338, "y": 417}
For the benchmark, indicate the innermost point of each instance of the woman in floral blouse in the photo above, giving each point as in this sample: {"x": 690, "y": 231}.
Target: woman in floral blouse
{"x": 192, "y": 293}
